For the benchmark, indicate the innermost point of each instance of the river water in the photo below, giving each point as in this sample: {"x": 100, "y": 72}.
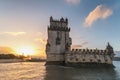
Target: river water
{"x": 38, "y": 71}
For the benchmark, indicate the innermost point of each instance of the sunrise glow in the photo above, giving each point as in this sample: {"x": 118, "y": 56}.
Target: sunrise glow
{"x": 26, "y": 51}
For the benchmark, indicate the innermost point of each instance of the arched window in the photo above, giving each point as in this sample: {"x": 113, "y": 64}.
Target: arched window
{"x": 91, "y": 60}
{"x": 99, "y": 60}
{"x": 83, "y": 59}
{"x": 76, "y": 59}
{"x": 58, "y": 34}
{"x": 106, "y": 60}
{"x": 58, "y": 39}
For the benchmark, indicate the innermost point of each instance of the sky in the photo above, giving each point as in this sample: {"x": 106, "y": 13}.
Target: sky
{"x": 93, "y": 23}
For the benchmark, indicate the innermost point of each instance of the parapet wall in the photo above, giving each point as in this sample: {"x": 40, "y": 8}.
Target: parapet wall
{"x": 88, "y": 51}
{"x": 55, "y": 24}
{"x": 88, "y": 56}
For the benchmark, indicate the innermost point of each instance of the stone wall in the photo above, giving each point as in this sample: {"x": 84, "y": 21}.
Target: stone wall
{"x": 79, "y": 56}
{"x": 55, "y": 57}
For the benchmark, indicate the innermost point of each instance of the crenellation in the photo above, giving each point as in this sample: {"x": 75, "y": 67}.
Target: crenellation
{"x": 72, "y": 49}
{"x": 76, "y": 50}
{"x": 79, "y": 50}
{"x": 58, "y": 23}
{"x": 90, "y": 55}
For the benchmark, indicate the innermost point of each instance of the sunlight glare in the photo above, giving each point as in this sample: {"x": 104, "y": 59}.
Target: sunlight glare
{"x": 26, "y": 51}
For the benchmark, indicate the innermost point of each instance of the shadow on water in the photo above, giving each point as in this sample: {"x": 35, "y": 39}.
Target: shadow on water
{"x": 70, "y": 73}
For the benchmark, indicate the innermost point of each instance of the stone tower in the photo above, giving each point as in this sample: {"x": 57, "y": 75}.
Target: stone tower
{"x": 58, "y": 41}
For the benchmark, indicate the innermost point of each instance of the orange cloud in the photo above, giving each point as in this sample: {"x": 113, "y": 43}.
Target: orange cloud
{"x": 6, "y": 50}
{"x": 100, "y": 12}
{"x": 73, "y": 1}
{"x": 14, "y": 33}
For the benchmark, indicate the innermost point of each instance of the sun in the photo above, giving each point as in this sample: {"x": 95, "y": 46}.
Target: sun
{"x": 26, "y": 51}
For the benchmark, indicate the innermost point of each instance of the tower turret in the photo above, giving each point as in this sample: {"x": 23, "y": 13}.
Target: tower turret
{"x": 110, "y": 51}
{"x": 51, "y": 19}
{"x": 62, "y": 19}
{"x": 66, "y": 20}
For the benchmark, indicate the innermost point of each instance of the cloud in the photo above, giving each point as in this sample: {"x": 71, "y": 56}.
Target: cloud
{"x": 6, "y": 50}
{"x": 100, "y": 12}
{"x": 79, "y": 46}
{"x": 39, "y": 33}
{"x": 43, "y": 41}
{"x": 74, "y": 2}
{"x": 13, "y": 33}
{"x": 76, "y": 46}
{"x": 84, "y": 43}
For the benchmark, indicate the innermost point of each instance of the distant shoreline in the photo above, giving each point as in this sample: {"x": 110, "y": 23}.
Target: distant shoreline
{"x": 22, "y": 60}
{"x": 10, "y": 60}
{"x": 18, "y": 60}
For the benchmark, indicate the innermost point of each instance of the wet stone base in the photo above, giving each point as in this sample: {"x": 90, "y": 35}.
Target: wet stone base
{"x": 55, "y": 63}
{"x": 81, "y": 65}
{"x": 90, "y": 65}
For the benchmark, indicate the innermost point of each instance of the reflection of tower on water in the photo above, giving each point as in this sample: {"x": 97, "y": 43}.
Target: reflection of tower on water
{"x": 69, "y": 73}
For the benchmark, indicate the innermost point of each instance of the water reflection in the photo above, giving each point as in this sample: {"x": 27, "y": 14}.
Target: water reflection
{"x": 38, "y": 71}
{"x": 70, "y": 73}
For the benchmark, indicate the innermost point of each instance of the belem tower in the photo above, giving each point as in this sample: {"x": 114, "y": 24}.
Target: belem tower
{"x": 58, "y": 48}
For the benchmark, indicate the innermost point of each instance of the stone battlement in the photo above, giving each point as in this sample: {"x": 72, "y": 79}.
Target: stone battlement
{"x": 62, "y": 20}
{"x": 88, "y": 51}
{"x": 58, "y": 23}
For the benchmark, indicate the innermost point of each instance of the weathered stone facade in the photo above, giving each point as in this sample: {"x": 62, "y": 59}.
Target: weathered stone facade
{"x": 58, "y": 47}
{"x": 58, "y": 40}
{"x": 89, "y": 56}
